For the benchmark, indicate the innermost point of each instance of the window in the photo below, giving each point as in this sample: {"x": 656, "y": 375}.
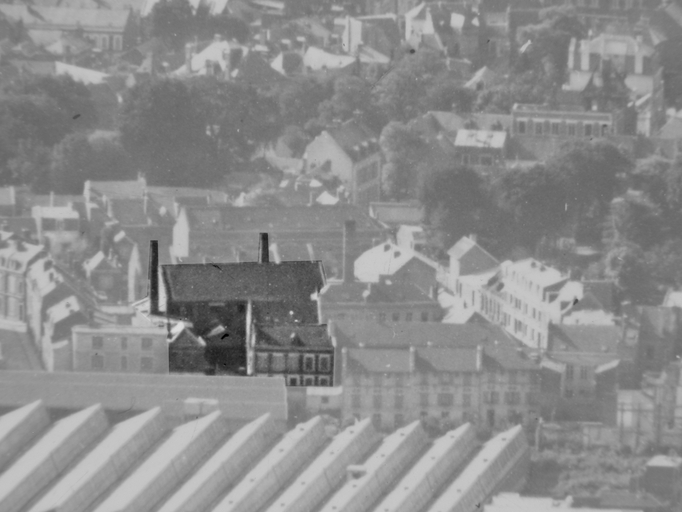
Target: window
{"x": 486, "y": 160}
{"x": 512, "y": 377}
{"x": 309, "y": 381}
{"x": 382, "y": 317}
{"x": 424, "y": 399}
{"x": 512, "y": 398}
{"x": 491, "y": 397}
{"x": 396, "y": 317}
{"x": 324, "y": 381}
{"x": 124, "y": 363}
{"x": 97, "y": 362}
{"x": 408, "y": 317}
{"x": 538, "y": 128}
{"x": 445, "y": 399}
{"x": 521, "y": 126}
{"x": 277, "y": 363}
{"x": 425, "y": 316}
{"x": 97, "y": 343}
{"x": 293, "y": 380}
{"x": 569, "y": 372}
{"x": 146, "y": 364}
{"x": 466, "y": 400}
{"x": 124, "y": 343}
{"x": 324, "y": 363}
{"x": 399, "y": 400}
{"x": 293, "y": 363}
{"x": 555, "y": 128}
{"x": 146, "y": 343}
{"x": 588, "y": 130}
{"x": 308, "y": 363}
{"x": 325, "y": 400}
{"x": 583, "y": 372}
{"x": 467, "y": 379}
{"x": 604, "y": 130}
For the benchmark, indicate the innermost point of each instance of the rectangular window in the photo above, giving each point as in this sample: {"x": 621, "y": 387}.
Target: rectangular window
{"x": 521, "y": 127}
{"x": 604, "y": 130}
{"x": 445, "y": 399}
{"x": 147, "y": 343}
{"x": 538, "y": 128}
{"x": 324, "y": 381}
{"x": 425, "y": 316}
{"x": 382, "y": 317}
{"x": 588, "y": 130}
{"x": 309, "y": 381}
{"x": 308, "y": 363}
{"x": 277, "y": 363}
{"x": 408, "y": 317}
{"x": 583, "y": 372}
{"x": 146, "y": 364}
{"x": 467, "y": 379}
{"x": 293, "y": 363}
{"x": 377, "y": 401}
{"x": 555, "y": 128}
{"x": 324, "y": 363}
{"x": 118, "y": 43}
{"x": 494, "y": 397}
{"x": 396, "y": 317}
{"x": 124, "y": 363}
{"x": 399, "y": 400}
{"x": 97, "y": 362}
{"x": 97, "y": 343}
{"x": 569, "y": 372}
{"x": 124, "y": 343}
{"x": 486, "y": 160}
{"x": 293, "y": 380}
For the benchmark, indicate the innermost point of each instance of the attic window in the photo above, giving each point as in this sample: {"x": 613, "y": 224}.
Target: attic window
{"x": 387, "y": 247}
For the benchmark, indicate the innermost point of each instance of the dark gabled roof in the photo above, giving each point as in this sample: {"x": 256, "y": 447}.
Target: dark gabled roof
{"x": 462, "y": 359}
{"x": 379, "y": 360}
{"x": 356, "y": 139}
{"x": 272, "y": 219}
{"x": 374, "y": 293}
{"x": 402, "y": 334}
{"x": 603, "y": 291}
{"x": 286, "y": 281}
{"x": 293, "y": 336}
{"x": 504, "y": 356}
{"x": 591, "y": 339}
{"x": 588, "y": 303}
{"x": 256, "y": 72}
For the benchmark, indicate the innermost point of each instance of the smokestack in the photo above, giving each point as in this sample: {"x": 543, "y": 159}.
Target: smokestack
{"x": 263, "y": 249}
{"x": 153, "y": 277}
{"x": 348, "y": 251}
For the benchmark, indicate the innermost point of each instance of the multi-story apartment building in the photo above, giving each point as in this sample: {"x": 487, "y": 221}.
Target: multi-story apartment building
{"x": 351, "y": 153}
{"x": 561, "y": 123}
{"x": 16, "y": 258}
{"x": 491, "y": 386}
{"x": 119, "y": 349}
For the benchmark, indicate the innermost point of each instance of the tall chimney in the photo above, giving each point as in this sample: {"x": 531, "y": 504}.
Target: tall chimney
{"x": 263, "y": 249}
{"x": 153, "y": 277}
{"x": 349, "y": 251}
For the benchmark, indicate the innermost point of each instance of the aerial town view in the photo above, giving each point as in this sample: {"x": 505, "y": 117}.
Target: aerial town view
{"x": 340, "y": 255}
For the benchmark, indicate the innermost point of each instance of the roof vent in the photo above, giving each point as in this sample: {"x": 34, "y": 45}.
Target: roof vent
{"x": 387, "y": 247}
{"x": 396, "y": 254}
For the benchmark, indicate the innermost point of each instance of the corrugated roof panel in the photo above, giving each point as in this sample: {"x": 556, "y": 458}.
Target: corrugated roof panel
{"x": 429, "y": 474}
{"x": 224, "y": 468}
{"x": 264, "y": 481}
{"x": 19, "y": 427}
{"x": 170, "y": 462}
{"x": 327, "y": 470}
{"x": 105, "y": 464}
{"x": 380, "y": 470}
{"x": 42, "y": 463}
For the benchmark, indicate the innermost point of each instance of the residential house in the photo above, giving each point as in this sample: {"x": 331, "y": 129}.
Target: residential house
{"x": 107, "y": 278}
{"x": 580, "y": 378}
{"x": 59, "y": 228}
{"x": 110, "y": 30}
{"x": 16, "y": 259}
{"x": 397, "y": 264}
{"x": 411, "y": 237}
{"x": 599, "y": 13}
{"x": 119, "y": 348}
{"x": 468, "y": 258}
{"x": 481, "y": 149}
{"x": 186, "y": 351}
{"x": 249, "y": 313}
{"x": 60, "y": 319}
{"x": 351, "y": 152}
{"x": 408, "y": 379}
{"x": 394, "y": 215}
{"x": 378, "y": 32}
{"x": 297, "y": 233}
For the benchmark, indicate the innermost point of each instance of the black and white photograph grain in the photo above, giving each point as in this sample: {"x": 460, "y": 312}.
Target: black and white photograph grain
{"x": 340, "y": 255}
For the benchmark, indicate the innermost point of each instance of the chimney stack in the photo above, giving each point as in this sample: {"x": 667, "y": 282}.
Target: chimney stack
{"x": 263, "y": 249}
{"x": 153, "y": 277}
{"x": 349, "y": 251}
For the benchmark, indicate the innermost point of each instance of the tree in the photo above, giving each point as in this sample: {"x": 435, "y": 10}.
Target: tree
{"x": 295, "y": 139}
{"x": 229, "y": 27}
{"x": 532, "y": 86}
{"x": 455, "y": 204}
{"x": 31, "y": 167}
{"x": 352, "y": 95}
{"x": 240, "y": 119}
{"x": 71, "y": 163}
{"x": 299, "y": 100}
{"x": 31, "y": 119}
{"x": 172, "y": 21}
{"x": 534, "y": 198}
{"x": 627, "y": 266}
{"x": 665, "y": 263}
{"x": 73, "y": 99}
{"x": 590, "y": 173}
{"x": 446, "y": 94}
{"x": 404, "y": 150}
{"x": 164, "y": 129}
{"x": 635, "y": 220}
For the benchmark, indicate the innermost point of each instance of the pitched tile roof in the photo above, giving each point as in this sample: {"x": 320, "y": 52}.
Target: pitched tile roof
{"x": 376, "y": 293}
{"x": 385, "y": 260}
{"x": 380, "y": 360}
{"x": 290, "y": 280}
{"x": 590, "y": 339}
{"x": 480, "y": 139}
{"x": 292, "y": 336}
{"x": 356, "y": 139}
{"x": 448, "y": 359}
